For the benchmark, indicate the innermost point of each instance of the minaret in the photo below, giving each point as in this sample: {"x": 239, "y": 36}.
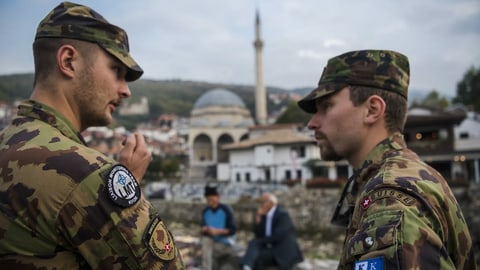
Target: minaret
{"x": 260, "y": 93}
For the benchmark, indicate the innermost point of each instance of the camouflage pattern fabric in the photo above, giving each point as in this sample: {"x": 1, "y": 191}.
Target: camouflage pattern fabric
{"x": 383, "y": 69}
{"x": 54, "y": 209}
{"x": 74, "y": 21}
{"x": 404, "y": 213}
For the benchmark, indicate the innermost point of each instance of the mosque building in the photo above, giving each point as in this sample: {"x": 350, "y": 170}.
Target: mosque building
{"x": 218, "y": 117}
{"x": 221, "y": 127}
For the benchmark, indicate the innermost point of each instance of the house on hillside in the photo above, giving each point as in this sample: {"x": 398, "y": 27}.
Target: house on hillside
{"x": 164, "y": 137}
{"x": 7, "y": 112}
{"x": 467, "y": 147}
{"x": 436, "y": 136}
{"x": 447, "y": 140}
{"x": 135, "y": 108}
{"x": 272, "y": 153}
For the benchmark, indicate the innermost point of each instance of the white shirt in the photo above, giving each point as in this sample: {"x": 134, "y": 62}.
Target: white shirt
{"x": 268, "y": 223}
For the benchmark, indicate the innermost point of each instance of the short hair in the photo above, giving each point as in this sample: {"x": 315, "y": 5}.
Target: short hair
{"x": 271, "y": 197}
{"x": 396, "y": 105}
{"x": 45, "y": 50}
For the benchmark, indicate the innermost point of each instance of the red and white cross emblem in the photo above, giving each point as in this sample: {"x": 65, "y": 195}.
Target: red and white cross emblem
{"x": 366, "y": 202}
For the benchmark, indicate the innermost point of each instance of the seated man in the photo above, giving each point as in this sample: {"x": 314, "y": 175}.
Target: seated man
{"x": 217, "y": 228}
{"x": 275, "y": 242}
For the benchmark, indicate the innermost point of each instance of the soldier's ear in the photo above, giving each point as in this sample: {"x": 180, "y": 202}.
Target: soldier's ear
{"x": 375, "y": 109}
{"x": 66, "y": 57}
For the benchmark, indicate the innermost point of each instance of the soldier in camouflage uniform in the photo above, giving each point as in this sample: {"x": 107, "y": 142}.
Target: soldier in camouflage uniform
{"x": 399, "y": 213}
{"x": 64, "y": 205}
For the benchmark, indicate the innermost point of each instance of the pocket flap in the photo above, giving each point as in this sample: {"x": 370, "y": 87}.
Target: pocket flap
{"x": 378, "y": 232}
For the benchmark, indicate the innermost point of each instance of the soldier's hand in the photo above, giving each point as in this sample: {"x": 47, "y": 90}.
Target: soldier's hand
{"x": 135, "y": 155}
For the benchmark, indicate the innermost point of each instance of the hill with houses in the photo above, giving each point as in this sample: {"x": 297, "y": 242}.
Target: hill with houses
{"x": 164, "y": 96}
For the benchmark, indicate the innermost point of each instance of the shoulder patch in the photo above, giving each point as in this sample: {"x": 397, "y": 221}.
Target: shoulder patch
{"x": 391, "y": 193}
{"x": 369, "y": 264}
{"x": 122, "y": 188}
{"x": 159, "y": 240}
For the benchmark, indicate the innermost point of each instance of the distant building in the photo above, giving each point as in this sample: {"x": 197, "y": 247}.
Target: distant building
{"x": 161, "y": 136}
{"x": 436, "y": 136}
{"x": 431, "y": 134}
{"x": 164, "y": 137}
{"x": 218, "y": 117}
{"x": 138, "y": 108}
{"x": 274, "y": 153}
{"x": 467, "y": 147}
{"x": 7, "y": 112}
{"x": 105, "y": 140}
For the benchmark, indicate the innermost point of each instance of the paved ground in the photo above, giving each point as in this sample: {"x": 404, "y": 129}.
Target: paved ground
{"x": 191, "y": 256}
{"x": 190, "y": 248}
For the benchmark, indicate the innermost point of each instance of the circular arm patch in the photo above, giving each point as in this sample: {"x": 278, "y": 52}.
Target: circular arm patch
{"x": 122, "y": 188}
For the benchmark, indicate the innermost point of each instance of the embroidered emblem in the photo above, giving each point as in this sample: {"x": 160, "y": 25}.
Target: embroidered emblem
{"x": 392, "y": 193}
{"x": 366, "y": 202}
{"x": 122, "y": 188}
{"x": 159, "y": 240}
{"x": 370, "y": 264}
{"x": 369, "y": 241}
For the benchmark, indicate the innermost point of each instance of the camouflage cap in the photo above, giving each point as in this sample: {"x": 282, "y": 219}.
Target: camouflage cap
{"x": 70, "y": 20}
{"x": 387, "y": 70}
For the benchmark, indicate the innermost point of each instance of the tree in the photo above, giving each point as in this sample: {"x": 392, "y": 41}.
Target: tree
{"x": 154, "y": 168}
{"x": 170, "y": 167}
{"x": 433, "y": 100}
{"x": 468, "y": 89}
{"x": 163, "y": 167}
{"x": 293, "y": 114}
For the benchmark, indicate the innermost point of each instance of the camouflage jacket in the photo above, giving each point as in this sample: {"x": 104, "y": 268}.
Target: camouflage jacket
{"x": 56, "y": 211}
{"x": 404, "y": 215}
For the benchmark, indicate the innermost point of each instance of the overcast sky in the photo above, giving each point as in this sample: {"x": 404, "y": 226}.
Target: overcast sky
{"x": 211, "y": 40}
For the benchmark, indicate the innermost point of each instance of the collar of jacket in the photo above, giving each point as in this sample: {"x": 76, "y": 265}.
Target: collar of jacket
{"x": 376, "y": 156}
{"x": 44, "y": 113}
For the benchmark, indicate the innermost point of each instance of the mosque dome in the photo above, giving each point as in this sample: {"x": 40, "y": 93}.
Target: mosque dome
{"x": 220, "y": 108}
{"x": 219, "y": 97}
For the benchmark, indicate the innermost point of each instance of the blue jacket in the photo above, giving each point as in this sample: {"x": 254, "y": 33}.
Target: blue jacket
{"x": 221, "y": 218}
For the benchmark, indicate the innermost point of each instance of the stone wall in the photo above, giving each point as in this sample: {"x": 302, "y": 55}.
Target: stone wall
{"x": 469, "y": 200}
{"x": 311, "y": 211}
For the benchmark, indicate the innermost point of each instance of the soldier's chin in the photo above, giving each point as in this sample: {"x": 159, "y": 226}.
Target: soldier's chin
{"x": 330, "y": 156}
{"x": 107, "y": 122}
{"x": 107, "y": 119}
{"x": 100, "y": 122}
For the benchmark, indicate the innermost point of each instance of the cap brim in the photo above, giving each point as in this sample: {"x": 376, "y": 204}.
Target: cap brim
{"x": 134, "y": 71}
{"x": 308, "y": 102}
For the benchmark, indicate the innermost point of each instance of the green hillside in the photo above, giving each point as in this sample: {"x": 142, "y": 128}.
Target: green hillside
{"x": 17, "y": 86}
{"x": 164, "y": 96}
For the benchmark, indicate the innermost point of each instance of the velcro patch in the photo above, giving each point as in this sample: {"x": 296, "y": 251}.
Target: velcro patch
{"x": 159, "y": 240}
{"x": 391, "y": 193}
{"x": 122, "y": 188}
{"x": 369, "y": 264}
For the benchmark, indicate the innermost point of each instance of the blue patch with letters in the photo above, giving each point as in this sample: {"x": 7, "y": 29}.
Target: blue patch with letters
{"x": 370, "y": 264}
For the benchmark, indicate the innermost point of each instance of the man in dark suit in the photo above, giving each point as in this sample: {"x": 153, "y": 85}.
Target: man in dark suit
{"x": 275, "y": 242}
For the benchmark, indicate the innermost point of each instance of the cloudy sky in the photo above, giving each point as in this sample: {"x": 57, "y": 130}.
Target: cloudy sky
{"x": 211, "y": 40}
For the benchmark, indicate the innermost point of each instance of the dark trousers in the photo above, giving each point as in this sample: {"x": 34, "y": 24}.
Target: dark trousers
{"x": 258, "y": 256}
